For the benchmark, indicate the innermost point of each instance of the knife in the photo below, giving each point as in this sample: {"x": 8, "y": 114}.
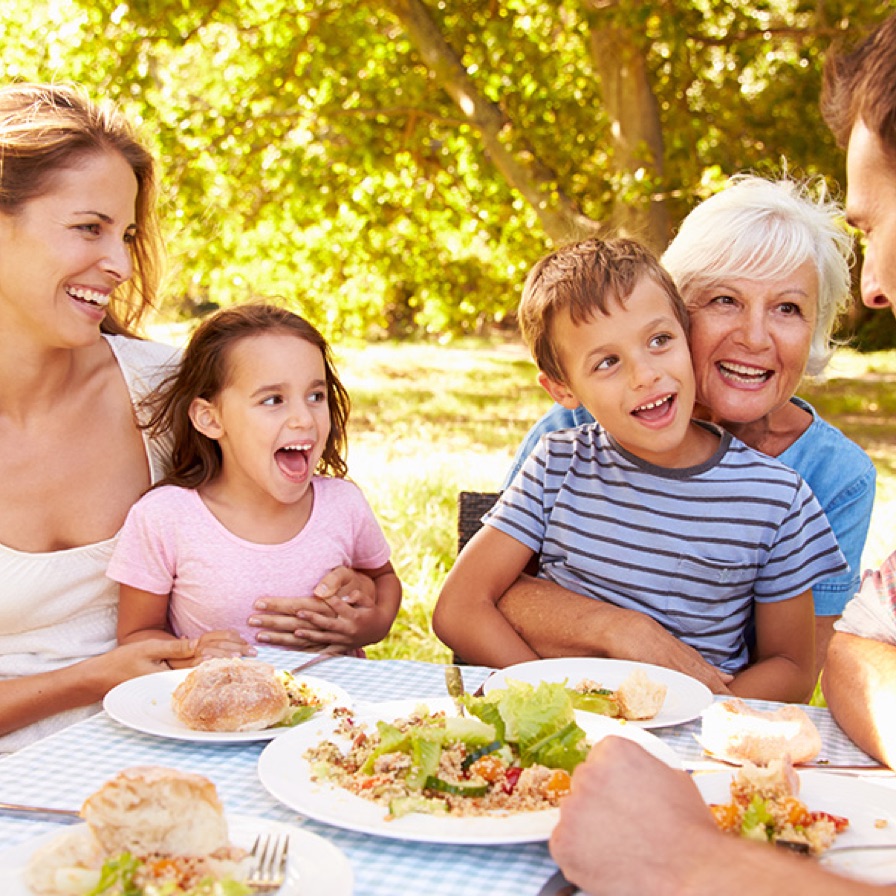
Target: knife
{"x": 313, "y": 662}
{"x": 454, "y": 683}
{"x": 41, "y": 810}
{"x": 558, "y": 885}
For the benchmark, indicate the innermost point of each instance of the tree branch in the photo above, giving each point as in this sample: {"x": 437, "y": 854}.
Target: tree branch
{"x": 511, "y": 154}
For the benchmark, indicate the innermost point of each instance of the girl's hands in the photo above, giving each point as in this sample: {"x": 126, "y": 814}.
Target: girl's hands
{"x": 339, "y": 622}
{"x": 298, "y": 622}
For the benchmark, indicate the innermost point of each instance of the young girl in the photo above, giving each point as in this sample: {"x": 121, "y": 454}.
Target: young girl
{"x": 256, "y": 504}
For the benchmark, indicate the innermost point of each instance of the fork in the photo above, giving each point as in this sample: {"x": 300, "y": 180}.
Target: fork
{"x": 271, "y": 852}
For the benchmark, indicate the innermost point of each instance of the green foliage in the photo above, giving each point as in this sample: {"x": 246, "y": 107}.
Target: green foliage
{"x": 309, "y": 153}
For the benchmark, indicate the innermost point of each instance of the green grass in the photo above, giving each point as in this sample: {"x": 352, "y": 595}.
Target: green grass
{"x": 429, "y": 421}
{"x": 426, "y": 423}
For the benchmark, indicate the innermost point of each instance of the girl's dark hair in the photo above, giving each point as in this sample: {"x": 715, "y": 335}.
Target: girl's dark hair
{"x": 204, "y": 372}
{"x": 48, "y": 128}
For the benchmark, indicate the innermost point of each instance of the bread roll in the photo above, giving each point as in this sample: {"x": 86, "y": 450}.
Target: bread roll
{"x": 146, "y": 811}
{"x": 639, "y": 697}
{"x": 231, "y": 695}
{"x": 151, "y": 809}
{"x": 774, "y": 781}
{"x": 737, "y": 733}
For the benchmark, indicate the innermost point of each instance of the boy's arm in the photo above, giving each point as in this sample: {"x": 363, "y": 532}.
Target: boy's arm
{"x": 466, "y": 617}
{"x": 785, "y": 650}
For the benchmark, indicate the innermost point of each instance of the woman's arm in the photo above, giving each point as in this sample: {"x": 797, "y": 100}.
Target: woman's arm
{"x": 35, "y": 697}
{"x": 466, "y": 617}
{"x": 276, "y": 617}
{"x": 785, "y": 652}
{"x": 859, "y": 685}
{"x": 557, "y": 622}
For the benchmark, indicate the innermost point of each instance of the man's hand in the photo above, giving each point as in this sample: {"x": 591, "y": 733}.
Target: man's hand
{"x": 629, "y": 823}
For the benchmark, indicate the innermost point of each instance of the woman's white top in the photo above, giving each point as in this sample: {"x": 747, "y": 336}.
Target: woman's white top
{"x": 58, "y": 607}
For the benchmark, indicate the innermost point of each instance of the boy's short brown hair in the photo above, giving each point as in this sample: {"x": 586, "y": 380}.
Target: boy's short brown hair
{"x": 582, "y": 279}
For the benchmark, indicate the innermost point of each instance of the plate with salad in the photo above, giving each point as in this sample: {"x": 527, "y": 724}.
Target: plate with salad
{"x": 418, "y": 770}
{"x": 596, "y": 681}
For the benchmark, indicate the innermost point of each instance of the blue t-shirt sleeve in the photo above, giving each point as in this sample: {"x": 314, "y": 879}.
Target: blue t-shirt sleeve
{"x": 558, "y": 417}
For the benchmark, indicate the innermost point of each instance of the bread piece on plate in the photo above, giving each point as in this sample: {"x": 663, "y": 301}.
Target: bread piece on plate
{"x": 231, "y": 695}
{"x": 735, "y": 732}
{"x": 67, "y": 865}
{"x": 639, "y": 697}
{"x": 145, "y": 811}
{"x": 152, "y": 809}
{"x": 774, "y": 781}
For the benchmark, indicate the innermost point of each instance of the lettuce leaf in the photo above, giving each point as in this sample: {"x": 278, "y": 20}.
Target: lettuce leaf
{"x": 538, "y": 720}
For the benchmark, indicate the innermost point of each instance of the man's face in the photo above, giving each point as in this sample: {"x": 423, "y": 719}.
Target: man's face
{"x": 871, "y": 206}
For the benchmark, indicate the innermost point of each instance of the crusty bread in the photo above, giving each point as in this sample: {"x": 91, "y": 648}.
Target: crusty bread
{"x": 153, "y": 809}
{"x": 230, "y": 695}
{"x": 639, "y": 697}
{"x": 145, "y": 810}
{"x": 738, "y": 733}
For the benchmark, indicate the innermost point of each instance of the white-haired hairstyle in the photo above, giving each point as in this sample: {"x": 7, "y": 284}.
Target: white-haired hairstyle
{"x": 760, "y": 229}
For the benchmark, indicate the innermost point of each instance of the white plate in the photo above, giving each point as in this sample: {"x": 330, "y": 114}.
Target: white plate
{"x": 864, "y": 803}
{"x": 144, "y": 704}
{"x": 316, "y": 867}
{"x": 685, "y": 699}
{"x": 286, "y": 775}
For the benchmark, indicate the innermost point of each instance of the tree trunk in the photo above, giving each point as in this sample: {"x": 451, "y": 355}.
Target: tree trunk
{"x": 510, "y": 153}
{"x": 620, "y": 64}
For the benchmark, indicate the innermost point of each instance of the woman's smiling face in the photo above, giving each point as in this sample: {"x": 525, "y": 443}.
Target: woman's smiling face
{"x": 65, "y": 251}
{"x": 750, "y": 342}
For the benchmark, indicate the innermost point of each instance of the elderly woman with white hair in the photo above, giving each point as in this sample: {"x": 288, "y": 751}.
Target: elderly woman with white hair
{"x": 763, "y": 267}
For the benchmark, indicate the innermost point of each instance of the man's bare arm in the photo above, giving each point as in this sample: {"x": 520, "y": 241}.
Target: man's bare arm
{"x": 556, "y": 622}
{"x": 859, "y": 685}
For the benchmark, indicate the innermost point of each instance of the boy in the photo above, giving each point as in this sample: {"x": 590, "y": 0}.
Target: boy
{"x": 647, "y": 509}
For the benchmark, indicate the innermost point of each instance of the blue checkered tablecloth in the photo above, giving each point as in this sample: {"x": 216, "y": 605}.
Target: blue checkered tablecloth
{"x": 63, "y": 769}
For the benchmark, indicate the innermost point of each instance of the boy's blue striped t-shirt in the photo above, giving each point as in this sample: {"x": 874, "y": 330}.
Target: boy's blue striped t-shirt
{"x": 692, "y": 548}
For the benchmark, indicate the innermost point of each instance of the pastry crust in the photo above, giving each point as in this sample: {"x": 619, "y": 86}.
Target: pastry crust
{"x": 231, "y": 695}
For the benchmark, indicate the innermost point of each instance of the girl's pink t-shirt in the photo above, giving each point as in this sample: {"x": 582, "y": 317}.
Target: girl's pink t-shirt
{"x": 171, "y": 543}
